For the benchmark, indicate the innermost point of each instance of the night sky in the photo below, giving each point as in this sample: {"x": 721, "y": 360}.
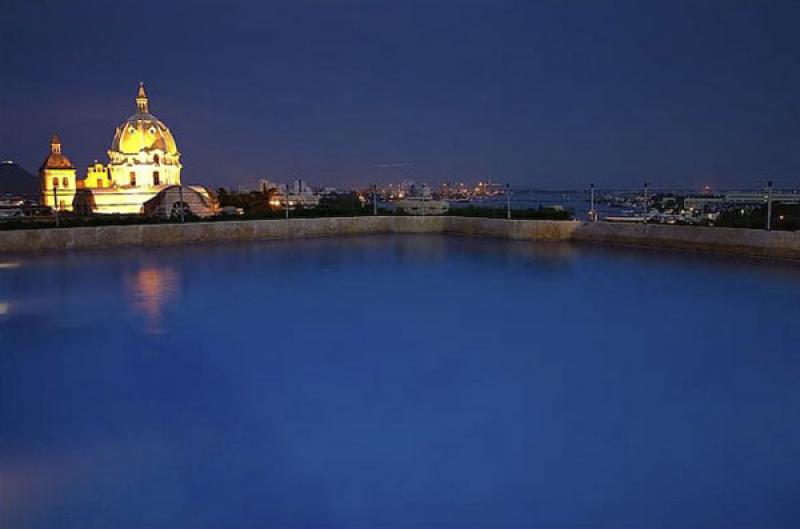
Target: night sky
{"x": 540, "y": 94}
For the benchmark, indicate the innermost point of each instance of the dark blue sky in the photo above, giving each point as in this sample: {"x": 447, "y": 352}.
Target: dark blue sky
{"x": 544, "y": 94}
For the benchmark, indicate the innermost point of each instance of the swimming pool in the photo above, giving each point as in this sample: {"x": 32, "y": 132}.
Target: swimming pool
{"x": 398, "y": 381}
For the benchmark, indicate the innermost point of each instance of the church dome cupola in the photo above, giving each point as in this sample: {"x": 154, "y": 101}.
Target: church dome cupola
{"x": 141, "y": 100}
{"x": 143, "y": 152}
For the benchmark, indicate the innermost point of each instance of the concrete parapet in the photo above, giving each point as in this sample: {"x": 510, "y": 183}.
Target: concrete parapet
{"x": 754, "y": 243}
{"x": 757, "y": 243}
{"x": 532, "y": 230}
{"x": 52, "y": 239}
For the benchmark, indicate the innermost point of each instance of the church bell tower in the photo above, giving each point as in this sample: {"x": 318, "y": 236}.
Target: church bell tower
{"x": 58, "y": 178}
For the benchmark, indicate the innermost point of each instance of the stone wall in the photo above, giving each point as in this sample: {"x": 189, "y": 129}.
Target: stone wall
{"x": 38, "y": 240}
{"x": 757, "y": 243}
{"x": 754, "y": 243}
{"x": 531, "y": 230}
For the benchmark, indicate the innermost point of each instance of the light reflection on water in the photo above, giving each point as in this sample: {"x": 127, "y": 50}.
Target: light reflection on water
{"x": 149, "y": 290}
{"x": 402, "y": 381}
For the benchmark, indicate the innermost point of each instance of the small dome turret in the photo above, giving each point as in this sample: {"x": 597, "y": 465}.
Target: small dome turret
{"x": 56, "y": 159}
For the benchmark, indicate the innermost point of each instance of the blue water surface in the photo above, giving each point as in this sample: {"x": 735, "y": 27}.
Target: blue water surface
{"x": 398, "y": 382}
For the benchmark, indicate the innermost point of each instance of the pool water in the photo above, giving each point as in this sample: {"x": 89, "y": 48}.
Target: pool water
{"x": 398, "y": 381}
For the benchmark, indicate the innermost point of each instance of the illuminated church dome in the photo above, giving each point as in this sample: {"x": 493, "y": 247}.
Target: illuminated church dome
{"x": 143, "y": 174}
{"x": 143, "y": 152}
{"x": 143, "y": 131}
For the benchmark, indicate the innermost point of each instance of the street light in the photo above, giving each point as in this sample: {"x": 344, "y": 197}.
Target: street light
{"x": 55, "y": 203}
{"x": 769, "y": 205}
{"x": 286, "y": 201}
{"x": 508, "y": 201}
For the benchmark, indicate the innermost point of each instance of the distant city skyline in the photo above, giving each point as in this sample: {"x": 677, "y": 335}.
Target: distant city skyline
{"x": 547, "y": 95}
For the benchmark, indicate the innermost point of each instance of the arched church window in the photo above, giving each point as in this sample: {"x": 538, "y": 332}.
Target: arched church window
{"x": 65, "y": 182}
{"x": 132, "y": 177}
{"x": 156, "y": 159}
{"x": 55, "y": 182}
{"x": 156, "y": 178}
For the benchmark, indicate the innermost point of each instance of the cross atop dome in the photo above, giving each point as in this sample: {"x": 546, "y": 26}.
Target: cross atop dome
{"x": 141, "y": 99}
